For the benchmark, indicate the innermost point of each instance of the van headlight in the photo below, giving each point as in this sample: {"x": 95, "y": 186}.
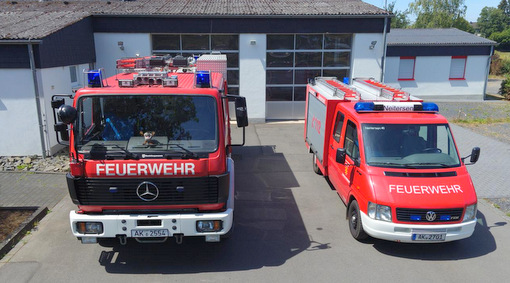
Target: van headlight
{"x": 379, "y": 212}
{"x": 470, "y": 213}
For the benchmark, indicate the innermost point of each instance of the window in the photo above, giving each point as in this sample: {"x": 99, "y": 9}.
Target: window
{"x": 339, "y": 123}
{"x": 458, "y": 68}
{"x": 196, "y": 44}
{"x": 74, "y": 75}
{"x": 292, "y": 59}
{"x": 351, "y": 143}
{"x": 406, "y": 68}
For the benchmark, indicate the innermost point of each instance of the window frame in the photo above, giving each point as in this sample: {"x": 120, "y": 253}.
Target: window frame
{"x": 413, "y": 58}
{"x": 463, "y": 70}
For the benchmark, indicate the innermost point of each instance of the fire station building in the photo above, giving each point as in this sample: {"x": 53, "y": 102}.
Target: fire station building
{"x": 272, "y": 48}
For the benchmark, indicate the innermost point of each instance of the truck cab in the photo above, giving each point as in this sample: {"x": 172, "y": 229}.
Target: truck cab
{"x": 393, "y": 162}
{"x": 150, "y": 151}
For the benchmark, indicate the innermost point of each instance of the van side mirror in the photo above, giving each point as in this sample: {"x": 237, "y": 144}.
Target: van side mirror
{"x": 475, "y": 154}
{"x": 241, "y": 111}
{"x": 340, "y": 155}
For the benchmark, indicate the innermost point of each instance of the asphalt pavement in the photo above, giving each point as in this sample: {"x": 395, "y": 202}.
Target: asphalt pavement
{"x": 289, "y": 228}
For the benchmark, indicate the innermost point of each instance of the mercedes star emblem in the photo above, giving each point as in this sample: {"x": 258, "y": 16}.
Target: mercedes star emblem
{"x": 147, "y": 191}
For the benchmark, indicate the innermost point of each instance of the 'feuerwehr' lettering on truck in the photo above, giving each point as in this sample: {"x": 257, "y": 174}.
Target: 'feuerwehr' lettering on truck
{"x": 422, "y": 190}
{"x": 147, "y": 169}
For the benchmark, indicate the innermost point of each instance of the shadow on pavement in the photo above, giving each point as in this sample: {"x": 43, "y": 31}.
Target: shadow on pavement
{"x": 482, "y": 242}
{"x": 268, "y": 226}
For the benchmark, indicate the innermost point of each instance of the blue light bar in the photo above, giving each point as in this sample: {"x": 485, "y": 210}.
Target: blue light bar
{"x": 445, "y": 217}
{"x": 95, "y": 78}
{"x": 203, "y": 79}
{"x": 364, "y": 106}
{"x": 430, "y": 106}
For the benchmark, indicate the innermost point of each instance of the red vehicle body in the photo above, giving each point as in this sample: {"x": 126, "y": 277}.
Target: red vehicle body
{"x": 392, "y": 160}
{"x": 150, "y": 151}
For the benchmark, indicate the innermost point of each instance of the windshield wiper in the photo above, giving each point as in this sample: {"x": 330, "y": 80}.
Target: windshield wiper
{"x": 100, "y": 151}
{"x": 388, "y": 164}
{"x": 129, "y": 154}
{"x": 186, "y": 154}
{"x": 430, "y": 164}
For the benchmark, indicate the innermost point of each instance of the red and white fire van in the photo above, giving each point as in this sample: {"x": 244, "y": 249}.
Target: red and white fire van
{"x": 392, "y": 160}
{"x": 150, "y": 150}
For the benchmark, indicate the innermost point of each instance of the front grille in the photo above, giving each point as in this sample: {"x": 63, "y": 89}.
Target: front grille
{"x": 420, "y": 175}
{"x": 420, "y": 215}
{"x": 172, "y": 191}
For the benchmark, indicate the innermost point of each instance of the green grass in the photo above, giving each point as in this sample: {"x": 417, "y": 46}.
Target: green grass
{"x": 503, "y": 55}
{"x": 481, "y": 121}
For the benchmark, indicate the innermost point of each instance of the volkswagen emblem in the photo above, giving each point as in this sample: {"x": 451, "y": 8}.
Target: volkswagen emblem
{"x": 147, "y": 191}
{"x": 431, "y": 216}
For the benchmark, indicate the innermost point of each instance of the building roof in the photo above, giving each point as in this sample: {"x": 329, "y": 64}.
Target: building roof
{"x": 434, "y": 37}
{"x": 32, "y": 19}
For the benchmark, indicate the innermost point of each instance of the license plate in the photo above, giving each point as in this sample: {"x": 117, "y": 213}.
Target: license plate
{"x": 148, "y": 233}
{"x": 437, "y": 237}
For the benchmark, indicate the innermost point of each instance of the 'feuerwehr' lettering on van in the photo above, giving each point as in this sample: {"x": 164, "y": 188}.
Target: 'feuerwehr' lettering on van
{"x": 145, "y": 169}
{"x": 423, "y": 190}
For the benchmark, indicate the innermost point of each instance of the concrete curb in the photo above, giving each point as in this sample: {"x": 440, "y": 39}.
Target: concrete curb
{"x": 20, "y": 232}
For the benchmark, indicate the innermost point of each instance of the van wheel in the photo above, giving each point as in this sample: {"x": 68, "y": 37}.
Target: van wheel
{"x": 316, "y": 168}
{"x": 355, "y": 225}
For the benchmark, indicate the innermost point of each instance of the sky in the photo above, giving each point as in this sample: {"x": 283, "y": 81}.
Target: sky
{"x": 474, "y": 7}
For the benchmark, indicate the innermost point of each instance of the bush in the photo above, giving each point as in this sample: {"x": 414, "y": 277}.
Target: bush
{"x": 505, "y": 88}
{"x": 496, "y": 65}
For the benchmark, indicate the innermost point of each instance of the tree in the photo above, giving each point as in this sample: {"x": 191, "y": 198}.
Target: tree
{"x": 438, "y": 13}
{"x": 503, "y": 38}
{"x": 400, "y": 20}
{"x": 491, "y": 20}
{"x": 504, "y": 6}
{"x": 464, "y": 25}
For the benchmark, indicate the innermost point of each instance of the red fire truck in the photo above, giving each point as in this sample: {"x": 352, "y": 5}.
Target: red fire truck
{"x": 392, "y": 160}
{"x": 150, "y": 150}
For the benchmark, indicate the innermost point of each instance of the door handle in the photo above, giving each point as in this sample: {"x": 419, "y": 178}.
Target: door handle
{"x": 332, "y": 147}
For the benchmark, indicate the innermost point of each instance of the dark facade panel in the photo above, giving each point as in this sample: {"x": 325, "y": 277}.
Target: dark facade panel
{"x": 437, "y": 50}
{"x": 14, "y": 57}
{"x": 71, "y": 45}
{"x": 238, "y": 25}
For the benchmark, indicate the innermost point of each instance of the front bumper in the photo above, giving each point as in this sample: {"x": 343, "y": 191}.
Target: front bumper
{"x": 404, "y": 232}
{"x": 123, "y": 225}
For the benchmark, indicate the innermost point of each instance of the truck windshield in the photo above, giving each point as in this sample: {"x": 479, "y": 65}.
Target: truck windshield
{"x": 409, "y": 145}
{"x": 130, "y": 124}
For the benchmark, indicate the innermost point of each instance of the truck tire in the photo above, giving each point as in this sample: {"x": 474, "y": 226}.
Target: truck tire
{"x": 315, "y": 167}
{"x": 355, "y": 225}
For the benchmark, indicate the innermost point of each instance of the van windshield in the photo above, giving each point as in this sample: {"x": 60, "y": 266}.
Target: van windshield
{"x": 409, "y": 145}
{"x": 149, "y": 124}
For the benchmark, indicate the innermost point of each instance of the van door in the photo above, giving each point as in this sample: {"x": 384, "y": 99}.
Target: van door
{"x": 336, "y": 141}
{"x": 346, "y": 171}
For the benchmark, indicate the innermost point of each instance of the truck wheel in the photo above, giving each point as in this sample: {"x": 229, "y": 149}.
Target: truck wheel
{"x": 315, "y": 167}
{"x": 355, "y": 225}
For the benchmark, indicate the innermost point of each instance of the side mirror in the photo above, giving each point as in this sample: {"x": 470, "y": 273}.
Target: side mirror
{"x": 67, "y": 114}
{"x": 340, "y": 155}
{"x": 241, "y": 111}
{"x": 62, "y": 129}
{"x": 475, "y": 154}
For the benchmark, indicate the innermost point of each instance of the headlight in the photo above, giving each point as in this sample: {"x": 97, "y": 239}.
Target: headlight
{"x": 89, "y": 227}
{"x": 470, "y": 213}
{"x": 379, "y": 212}
{"x": 209, "y": 226}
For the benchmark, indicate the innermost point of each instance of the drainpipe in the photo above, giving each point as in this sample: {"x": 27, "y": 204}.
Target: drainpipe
{"x": 385, "y": 33}
{"x": 37, "y": 97}
{"x": 488, "y": 68}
